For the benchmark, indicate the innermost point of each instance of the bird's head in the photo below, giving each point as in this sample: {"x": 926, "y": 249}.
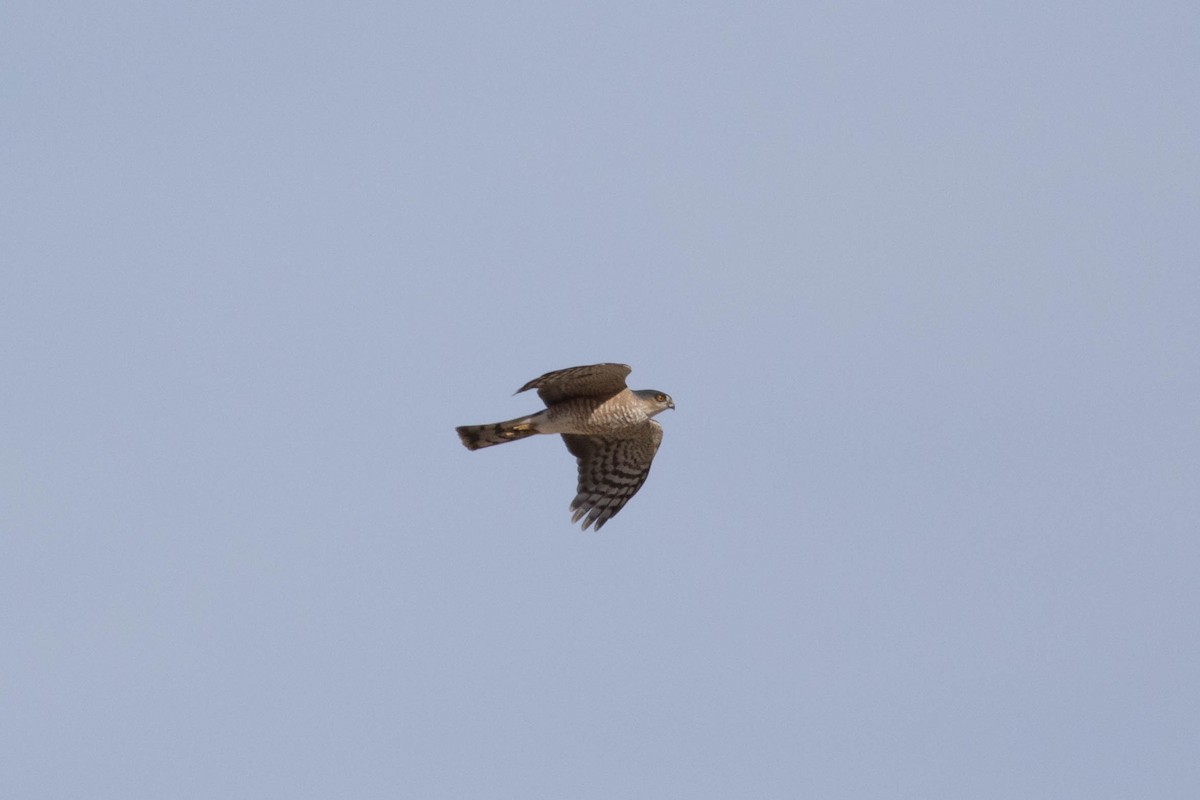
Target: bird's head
{"x": 656, "y": 401}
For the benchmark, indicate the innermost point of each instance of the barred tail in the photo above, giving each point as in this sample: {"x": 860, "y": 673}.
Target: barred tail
{"x": 475, "y": 437}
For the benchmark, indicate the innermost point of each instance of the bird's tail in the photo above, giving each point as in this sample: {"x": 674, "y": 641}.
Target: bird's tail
{"x": 475, "y": 437}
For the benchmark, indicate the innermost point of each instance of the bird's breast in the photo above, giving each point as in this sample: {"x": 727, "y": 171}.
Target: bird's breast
{"x": 594, "y": 417}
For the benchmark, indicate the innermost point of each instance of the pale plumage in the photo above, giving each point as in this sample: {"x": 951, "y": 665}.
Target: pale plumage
{"x": 606, "y": 426}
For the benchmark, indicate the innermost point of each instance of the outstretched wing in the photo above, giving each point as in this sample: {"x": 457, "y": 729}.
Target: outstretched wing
{"x": 595, "y": 380}
{"x": 611, "y": 470}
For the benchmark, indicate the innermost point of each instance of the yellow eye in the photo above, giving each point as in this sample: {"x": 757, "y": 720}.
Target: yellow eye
{"x": 661, "y": 398}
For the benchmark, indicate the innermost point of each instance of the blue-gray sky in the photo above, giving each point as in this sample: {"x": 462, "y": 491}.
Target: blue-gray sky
{"x": 923, "y": 280}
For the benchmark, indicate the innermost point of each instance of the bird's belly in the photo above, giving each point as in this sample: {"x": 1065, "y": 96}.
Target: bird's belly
{"x": 590, "y": 417}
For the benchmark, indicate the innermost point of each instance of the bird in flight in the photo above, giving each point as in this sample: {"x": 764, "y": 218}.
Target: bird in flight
{"x": 607, "y": 426}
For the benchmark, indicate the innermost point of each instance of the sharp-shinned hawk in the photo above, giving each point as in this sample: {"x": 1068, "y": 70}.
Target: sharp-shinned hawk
{"x": 606, "y": 425}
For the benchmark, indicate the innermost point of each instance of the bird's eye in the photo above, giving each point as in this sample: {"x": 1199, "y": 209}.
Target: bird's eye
{"x": 661, "y": 398}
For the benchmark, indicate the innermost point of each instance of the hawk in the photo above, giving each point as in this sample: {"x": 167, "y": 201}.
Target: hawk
{"x": 607, "y": 426}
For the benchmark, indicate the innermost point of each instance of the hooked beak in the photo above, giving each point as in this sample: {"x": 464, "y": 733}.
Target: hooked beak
{"x": 671, "y": 405}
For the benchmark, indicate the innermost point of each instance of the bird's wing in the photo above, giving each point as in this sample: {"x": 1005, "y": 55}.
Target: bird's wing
{"x": 611, "y": 470}
{"x": 594, "y": 380}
